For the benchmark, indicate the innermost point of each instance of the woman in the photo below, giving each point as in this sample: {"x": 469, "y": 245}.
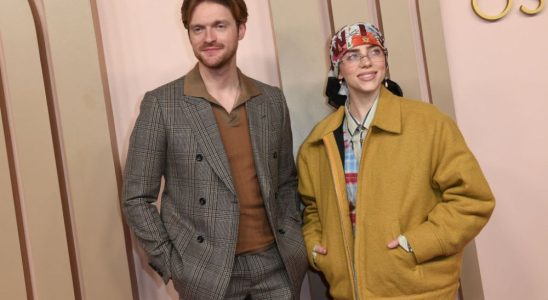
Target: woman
{"x": 392, "y": 194}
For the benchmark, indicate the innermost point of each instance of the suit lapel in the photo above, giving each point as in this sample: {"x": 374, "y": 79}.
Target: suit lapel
{"x": 208, "y": 137}
{"x": 258, "y": 131}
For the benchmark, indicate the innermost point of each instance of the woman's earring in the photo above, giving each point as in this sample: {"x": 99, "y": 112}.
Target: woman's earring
{"x": 386, "y": 82}
{"x": 343, "y": 90}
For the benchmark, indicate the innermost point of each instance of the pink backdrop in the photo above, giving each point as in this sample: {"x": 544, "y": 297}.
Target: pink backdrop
{"x": 499, "y": 74}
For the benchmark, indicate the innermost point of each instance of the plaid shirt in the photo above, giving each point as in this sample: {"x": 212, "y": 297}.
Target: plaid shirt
{"x": 353, "y": 135}
{"x": 351, "y": 167}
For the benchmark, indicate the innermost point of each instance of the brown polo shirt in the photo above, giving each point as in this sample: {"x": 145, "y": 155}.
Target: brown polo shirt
{"x": 254, "y": 232}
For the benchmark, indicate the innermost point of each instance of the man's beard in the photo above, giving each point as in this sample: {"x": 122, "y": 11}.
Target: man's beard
{"x": 221, "y": 61}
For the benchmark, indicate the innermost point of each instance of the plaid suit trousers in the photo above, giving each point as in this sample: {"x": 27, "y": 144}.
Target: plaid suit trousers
{"x": 259, "y": 276}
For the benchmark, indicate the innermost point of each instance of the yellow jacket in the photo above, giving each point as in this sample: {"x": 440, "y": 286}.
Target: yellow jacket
{"x": 418, "y": 178}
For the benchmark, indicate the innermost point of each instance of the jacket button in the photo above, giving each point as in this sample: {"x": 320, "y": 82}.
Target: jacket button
{"x": 202, "y": 201}
{"x": 200, "y": 239}
{"x": 199, "y": 157}
{"x": 281, "y": 231}
{"x": 275, "y": 155}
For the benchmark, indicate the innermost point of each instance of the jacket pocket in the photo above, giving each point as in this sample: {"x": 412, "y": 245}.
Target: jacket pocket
{"x": 403, "y": 258}
{"x": 389, "y": 272}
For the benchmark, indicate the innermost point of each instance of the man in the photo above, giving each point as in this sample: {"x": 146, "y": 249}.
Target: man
{"x": 229, "y": 226}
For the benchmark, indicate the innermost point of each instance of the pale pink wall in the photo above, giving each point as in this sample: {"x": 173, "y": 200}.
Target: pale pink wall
{"x": 145, "y": 45}
{"x": 499, "y": 74}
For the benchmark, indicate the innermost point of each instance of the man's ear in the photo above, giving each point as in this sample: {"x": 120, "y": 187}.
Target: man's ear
{"x": 241, "y": 31}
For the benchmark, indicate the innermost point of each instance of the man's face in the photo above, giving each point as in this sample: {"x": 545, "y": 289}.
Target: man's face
{"x": 214, "y": 34}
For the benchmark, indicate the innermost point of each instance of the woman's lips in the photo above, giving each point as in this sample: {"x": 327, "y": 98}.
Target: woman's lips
{"x": 367, "y": 76}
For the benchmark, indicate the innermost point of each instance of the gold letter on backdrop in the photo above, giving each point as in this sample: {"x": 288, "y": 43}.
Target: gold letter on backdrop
{"x": 484, "y": 16}
{"x": 535, "y": 11}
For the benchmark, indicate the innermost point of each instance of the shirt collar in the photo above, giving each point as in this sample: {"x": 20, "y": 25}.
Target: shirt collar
{"x": 352, "y": 126}
{"x": 194, "y": 86}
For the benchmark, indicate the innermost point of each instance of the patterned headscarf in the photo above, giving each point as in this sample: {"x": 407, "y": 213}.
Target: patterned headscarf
{"x": 351, "y": 36}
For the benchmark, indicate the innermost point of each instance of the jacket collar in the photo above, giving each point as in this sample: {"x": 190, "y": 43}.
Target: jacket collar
{"x": 387, "y": 117}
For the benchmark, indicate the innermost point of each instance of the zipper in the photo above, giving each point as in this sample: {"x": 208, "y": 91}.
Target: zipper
{"x": 356, "y": 294}
{"x": 360, "y": 174}
{"x": 339, "y": 194}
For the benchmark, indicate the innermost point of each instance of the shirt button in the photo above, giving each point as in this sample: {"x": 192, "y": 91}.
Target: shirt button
{"x": 199, "y": 157}
{"x": 200, "y": 239}
{"x": 202, "y": 201}
{"x": 275, "y": 155}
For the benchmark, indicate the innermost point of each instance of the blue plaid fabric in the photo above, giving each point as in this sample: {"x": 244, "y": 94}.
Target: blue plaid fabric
{"x": 351, "y": 168}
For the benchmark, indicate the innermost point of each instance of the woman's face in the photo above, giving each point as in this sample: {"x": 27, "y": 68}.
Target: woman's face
{"x": 363, "y": 68}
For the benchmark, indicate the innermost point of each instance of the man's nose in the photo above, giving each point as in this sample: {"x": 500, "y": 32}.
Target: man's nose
{"x": 210, "y": 35}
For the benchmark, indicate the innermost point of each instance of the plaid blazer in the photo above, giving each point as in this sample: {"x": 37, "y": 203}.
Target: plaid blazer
{"x": 192, "y": 240}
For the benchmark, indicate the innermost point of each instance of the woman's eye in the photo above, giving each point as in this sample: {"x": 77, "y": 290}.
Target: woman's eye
{"x": 375, "y": 52}
{"x": 353, "y": 57}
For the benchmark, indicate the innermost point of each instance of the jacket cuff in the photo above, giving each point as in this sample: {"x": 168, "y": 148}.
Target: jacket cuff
{"x": 164, "y": 274}
{"x": 161, "y": 263}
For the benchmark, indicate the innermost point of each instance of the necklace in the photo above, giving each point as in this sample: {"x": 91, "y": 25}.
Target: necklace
{"x": 360, "y": 126}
